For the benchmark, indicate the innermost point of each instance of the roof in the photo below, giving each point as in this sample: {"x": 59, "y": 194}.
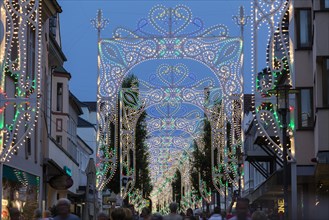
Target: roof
{"x": 57, "y": 47}
{"x": 57, "y": 6}
{"x": 62, "y": 70}
{"x": 91, "y": 105}
{"x": 76, "y": 102}
{"x": 84, "y": 123}
{"x": 86, "y": 145}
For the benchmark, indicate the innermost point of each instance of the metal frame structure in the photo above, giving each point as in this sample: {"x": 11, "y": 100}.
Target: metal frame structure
{"x": 20, "y": 68}
{"x": 275, "y": 16}
{"x": 19, "y": 105}
{"x": 169, "y": 33}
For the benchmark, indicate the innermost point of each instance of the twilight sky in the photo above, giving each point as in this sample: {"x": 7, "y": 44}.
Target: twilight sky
{"x": 79, "y": 38}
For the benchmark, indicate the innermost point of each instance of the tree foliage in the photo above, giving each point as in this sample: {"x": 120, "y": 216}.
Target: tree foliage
{"x": 143, "y": 179}
{"x": 201, "y": 160}
{"x": 177, "y": 185}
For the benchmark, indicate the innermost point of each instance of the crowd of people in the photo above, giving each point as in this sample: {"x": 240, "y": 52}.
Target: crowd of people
{"x": 128, "y": 213}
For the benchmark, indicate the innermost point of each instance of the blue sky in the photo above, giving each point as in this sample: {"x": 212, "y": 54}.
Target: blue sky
{"x": 79, "y": 38}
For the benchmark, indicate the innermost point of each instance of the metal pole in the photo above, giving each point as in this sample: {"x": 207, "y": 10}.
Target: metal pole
{"x": 285, "y": 162}
{"x": 225, "y": 196}
{"x": 120, "y": 142}
{"x": 293, "y": 191}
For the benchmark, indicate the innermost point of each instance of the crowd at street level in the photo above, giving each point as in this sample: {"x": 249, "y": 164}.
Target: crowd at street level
{"x": 129, "y": 213}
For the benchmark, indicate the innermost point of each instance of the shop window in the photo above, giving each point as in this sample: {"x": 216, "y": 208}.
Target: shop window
{"x": 325, "y": 82}
{"x": 59, "y": 99}
{"x": 305, "y": 108}
{"x": 325, "y": 4}
{"x": 20, "y": 191}
{"x": 303, "y": 28}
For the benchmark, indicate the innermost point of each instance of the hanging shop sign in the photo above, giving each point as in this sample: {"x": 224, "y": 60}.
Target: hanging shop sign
{"x": 61, "y": 182}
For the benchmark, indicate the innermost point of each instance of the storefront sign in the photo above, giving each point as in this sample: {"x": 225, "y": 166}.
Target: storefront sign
{"x": 61, "y": 182}
{"x": 67, "y": 171}
{"x": 280, "y": 205}
{"x": 4, "y": 202}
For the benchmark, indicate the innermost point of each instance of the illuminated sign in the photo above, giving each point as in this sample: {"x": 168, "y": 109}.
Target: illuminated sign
{"x": 4, "y": 202}
{"x": 67, "y": 171}
{"x": 280, "y": 205}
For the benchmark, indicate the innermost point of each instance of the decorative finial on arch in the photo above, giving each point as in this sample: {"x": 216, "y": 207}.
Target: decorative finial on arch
{"x": 241, "y": 19}
{"x": 99, "y": 22}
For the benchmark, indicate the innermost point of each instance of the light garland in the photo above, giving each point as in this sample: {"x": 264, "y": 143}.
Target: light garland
{"x": 20, "y": 18}
{"x": 181, "y": 38}
{"x": 275, "y": 16}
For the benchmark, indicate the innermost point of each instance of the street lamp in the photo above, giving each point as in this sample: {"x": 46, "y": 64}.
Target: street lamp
{"x": 282, "y": 95}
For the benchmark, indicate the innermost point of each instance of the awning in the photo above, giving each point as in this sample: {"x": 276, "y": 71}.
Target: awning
{"x": 19, "y": 176}
{"x": 272, "y": 188}
{"x": 53, "y": 169}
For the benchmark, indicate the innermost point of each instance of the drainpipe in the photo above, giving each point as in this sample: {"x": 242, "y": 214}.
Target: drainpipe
{"x": 51, "y": 97}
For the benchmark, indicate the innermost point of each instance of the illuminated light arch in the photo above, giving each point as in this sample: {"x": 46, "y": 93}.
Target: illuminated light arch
{"x": 275, "y": 16}
{"x": 170, "y": 95}
{"x": 176, "y": 35}
{"x": 20, "y": 92}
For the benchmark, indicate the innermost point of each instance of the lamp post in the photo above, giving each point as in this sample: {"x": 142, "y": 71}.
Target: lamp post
{"x": 283, "y": 105}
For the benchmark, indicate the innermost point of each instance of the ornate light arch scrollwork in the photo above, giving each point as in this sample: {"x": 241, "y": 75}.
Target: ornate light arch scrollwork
{"x": 174, "y": 94}
{"x": 169, "y": 33}
{"x": 275, "y": 16}
{"x": 20, "y": 67}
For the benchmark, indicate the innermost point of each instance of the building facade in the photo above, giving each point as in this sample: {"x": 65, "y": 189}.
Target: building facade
{"x": 42, "y": 156}
{"x": 309, "y": 32}
{"x": 22, "y": 68}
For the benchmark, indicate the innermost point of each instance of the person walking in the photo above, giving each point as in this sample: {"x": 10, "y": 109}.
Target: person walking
{"x": 242, "y": 210}
{"x": 47, "y": 215}
{"x": 259, "y": 215}
{"x": 146, "y": 214}
{"x": 102, "y": 216}
{"x": 133, "y": 211}
{"x": 156, "y": 216}
{"x": 37, "y": 215}
{"x": 217, "y": 214}
{"x": 189, "y": 214}
{"x": 118, "y": 214}
{"x": 63, "y": 210}
{"x": 173, "y": 212}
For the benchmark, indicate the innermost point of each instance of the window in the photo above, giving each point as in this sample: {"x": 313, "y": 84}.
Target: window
{"x": 28, "y": 147}
{"x": 31, "y": 53}
{"x": 303, "y": 25}
{"x": 59, "y": 140}
{"x": 59, "y": 101}
{"x": 305, "y": 108}
{"x": 325, "y": 82}
{"x": 59, "y": 124}
{"x": 325, "y": 4}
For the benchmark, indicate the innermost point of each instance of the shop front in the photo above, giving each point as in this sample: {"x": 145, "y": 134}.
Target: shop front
{"x": 20, "y": 191}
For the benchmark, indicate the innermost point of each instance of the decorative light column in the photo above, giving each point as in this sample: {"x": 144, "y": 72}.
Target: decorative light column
{"x": 241, "y": 20}
{"x": 282, "y": 92}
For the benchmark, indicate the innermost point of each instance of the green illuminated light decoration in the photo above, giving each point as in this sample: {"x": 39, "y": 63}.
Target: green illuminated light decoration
{"x": 169, "y": 34}
{"x": 19, "y": 106}
{"x": 273, "y": 16}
